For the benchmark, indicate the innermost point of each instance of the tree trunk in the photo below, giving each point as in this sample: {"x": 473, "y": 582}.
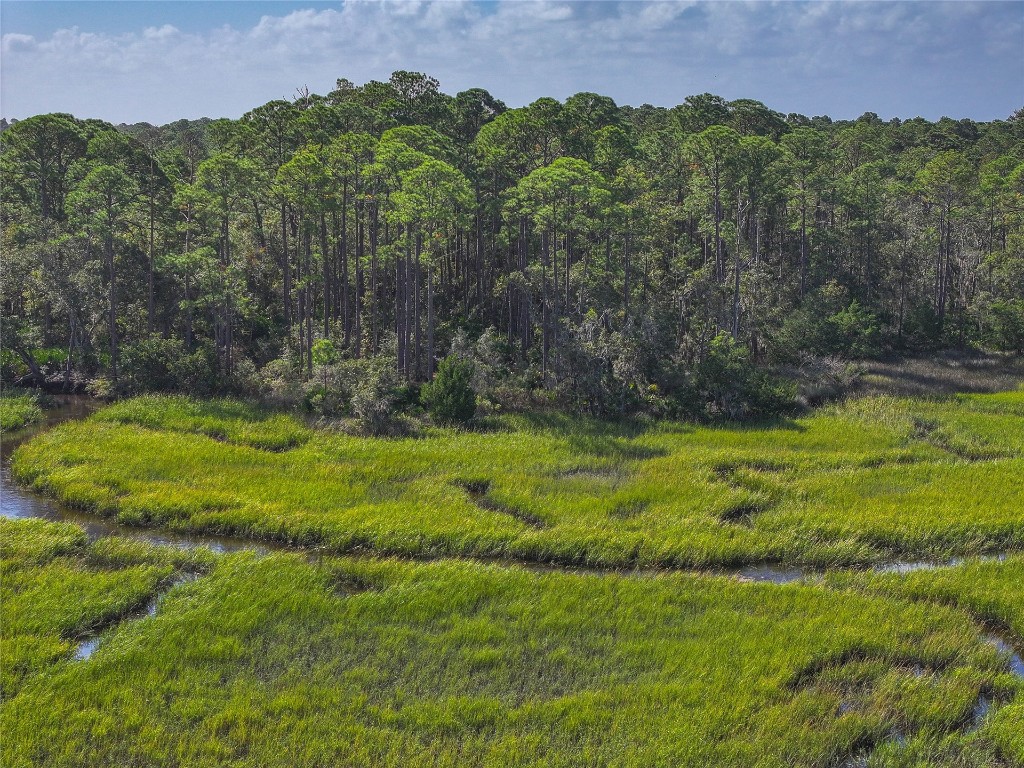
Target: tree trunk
{"x": 803, "y": 250}
{"x": 375, "y": 299}
{"x": 359, "y": 284}
{"x": 286, "y": 299}
{"x": 400, "y": 303}
{"x": 150, "y": 302}
{"x": 430, "y": 319}
{"x": 326, "y": 254}
{"x": 416, "y": 309}
{"x": 345, "y": 309}
{"x": 546, "y": 319}
{"x": 307, "y": 291}
{"x": 228, "y": 308}
{"x": 737, "y": 268}
{"x": 625, "y": 266}
{"x": 108, "y": 251}
{"x": 524, "y": 293}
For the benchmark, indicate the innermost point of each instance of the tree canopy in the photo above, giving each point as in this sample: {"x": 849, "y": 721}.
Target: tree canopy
{"x": 596, "y": 248}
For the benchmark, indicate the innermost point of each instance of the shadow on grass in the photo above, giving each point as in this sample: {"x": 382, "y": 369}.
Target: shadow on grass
{"x": 943, "y": 375}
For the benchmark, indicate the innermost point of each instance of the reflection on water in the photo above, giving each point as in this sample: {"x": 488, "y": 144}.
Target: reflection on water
{"x": 910, "y": 566}
{"x": 1016, "y": 662}
{"x": 86, "y": 648}
{"x": 774, "y": 574}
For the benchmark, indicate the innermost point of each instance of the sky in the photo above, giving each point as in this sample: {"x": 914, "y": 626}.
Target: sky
{"x": 157, "y": 61}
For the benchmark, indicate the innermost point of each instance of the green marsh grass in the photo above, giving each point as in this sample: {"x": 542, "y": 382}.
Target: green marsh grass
{"x": 277, "y": 661}
{"x": 17, "y": 411}
{"x": 858, "y": 483}
{"x": 56, "y": 589}
{"x": 990, "y": 591}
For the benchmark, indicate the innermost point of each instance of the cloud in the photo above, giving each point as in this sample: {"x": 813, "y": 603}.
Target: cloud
{"x": 837, "y": 57}
{"x": 160, "y": 33}
{"x": 17, "y": 43}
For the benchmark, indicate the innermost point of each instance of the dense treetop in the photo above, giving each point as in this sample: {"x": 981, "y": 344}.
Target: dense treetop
{"x": 610, "y": 255}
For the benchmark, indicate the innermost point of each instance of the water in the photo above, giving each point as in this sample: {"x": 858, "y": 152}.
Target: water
{"x": 985, "y": 703}
{"x": 15, "y": 503}
{"x": 1016, "y": 662}
{"x": 87, "y": 648}
{"x": 18, "y": 503}
{"x": 902, "y": 567}
{"x": 770, "y": 573}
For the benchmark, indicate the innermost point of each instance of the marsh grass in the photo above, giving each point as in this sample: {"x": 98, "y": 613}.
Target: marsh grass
{"x": 17, "y": 411}
{"x": 56, "y": 589}
{"x": 230, "y": 421}
{"x": 992, "y": 593}
{"x": 852, "y": 484}
{"x": 276, "y": 661}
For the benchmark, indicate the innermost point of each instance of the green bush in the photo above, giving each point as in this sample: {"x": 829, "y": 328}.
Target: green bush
{"x": 827, "y": 324}
{"x": 157, "y": 364}
{"x": 449, "y": 398}
{"x": 1007, "y": 331}
{"x": 726, "y": 383}
{"x": 374, "y": 400}
{"x": 922, "y": 329}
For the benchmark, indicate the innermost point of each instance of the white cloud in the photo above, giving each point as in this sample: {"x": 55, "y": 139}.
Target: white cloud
{"x": 160, "y": 33}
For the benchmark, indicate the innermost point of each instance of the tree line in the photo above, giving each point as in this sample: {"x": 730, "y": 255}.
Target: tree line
{"x": 609, "y": 256}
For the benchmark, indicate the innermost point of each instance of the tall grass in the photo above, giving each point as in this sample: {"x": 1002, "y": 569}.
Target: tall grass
{"x": 276, "y": 661}
{"x": 992, "y": 592}
{"x": 17, "y": 411}
{"x": 859, "y": 483}
{"x": 56, "y": 589}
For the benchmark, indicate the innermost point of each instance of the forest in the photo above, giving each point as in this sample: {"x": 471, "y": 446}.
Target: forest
{"x": 335, "y": 250}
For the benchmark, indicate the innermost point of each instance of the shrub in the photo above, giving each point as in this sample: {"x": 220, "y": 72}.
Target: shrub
{"x": 374, "y": 400}
{"x": 829, "y": 325}
{"x": 1007, "y": 321}
{"x": 101, "y": 388}
{"x": 922, "y": 329}
{"x": 284, "y": 381}
{"x": 156, "y": 364}
{"x": 726, "y": 383}
{"x": 449, "y": 398}
{"x": 245, "y": 380}
{"x": 325, "y": 354}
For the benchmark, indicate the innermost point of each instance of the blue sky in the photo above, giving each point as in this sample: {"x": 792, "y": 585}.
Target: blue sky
{"x": 158, "y": 61}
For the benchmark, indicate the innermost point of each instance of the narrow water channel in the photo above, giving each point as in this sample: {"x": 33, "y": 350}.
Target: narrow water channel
{"x": 19, "y": 503}
{"x": 88, "y": 646}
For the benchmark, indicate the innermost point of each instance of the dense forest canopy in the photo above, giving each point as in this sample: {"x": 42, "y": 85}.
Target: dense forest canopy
{"x": 614, "y": 257}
